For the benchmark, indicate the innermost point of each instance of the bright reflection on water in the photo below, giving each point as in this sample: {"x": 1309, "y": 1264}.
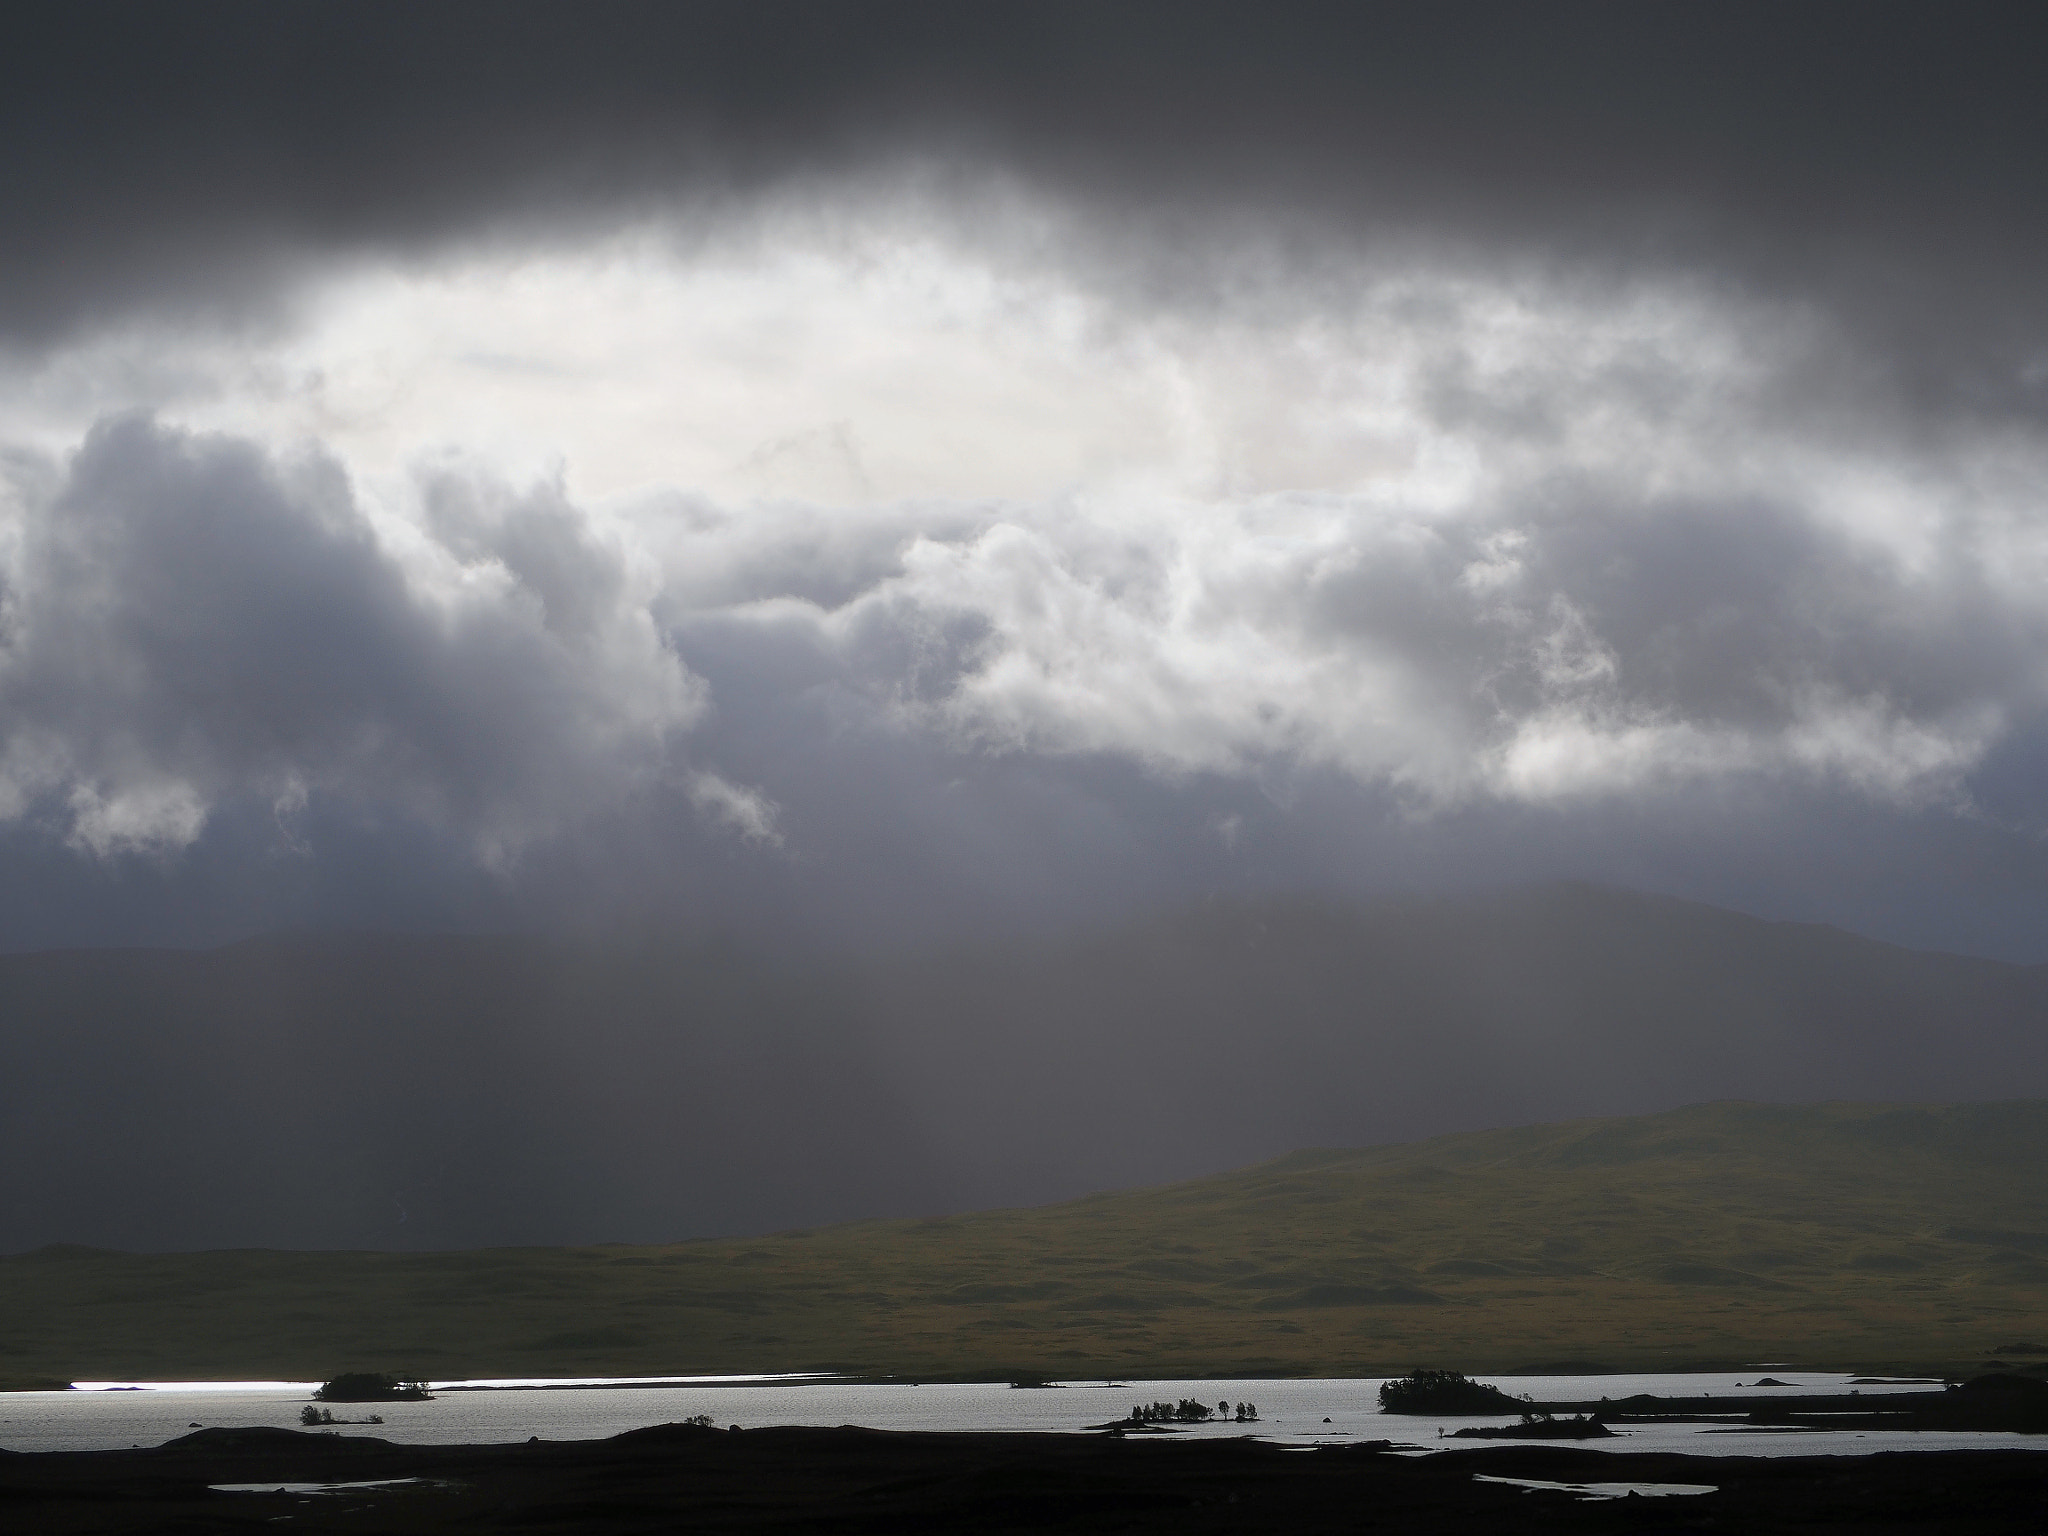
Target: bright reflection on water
{"x": 1299, "y": 1412}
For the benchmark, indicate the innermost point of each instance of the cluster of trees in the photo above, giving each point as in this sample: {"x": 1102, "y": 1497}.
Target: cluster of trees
{"x": 1188, "y": 1411}
{"x": 1444, "y": 1392}
{"x": 370, "y": 1387}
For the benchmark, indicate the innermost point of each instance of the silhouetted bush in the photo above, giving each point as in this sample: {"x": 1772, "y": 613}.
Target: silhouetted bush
{"x": 314, "y": 1417}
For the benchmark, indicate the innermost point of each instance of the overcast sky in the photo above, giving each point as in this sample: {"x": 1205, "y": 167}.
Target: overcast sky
{"x": 885, "y": 473}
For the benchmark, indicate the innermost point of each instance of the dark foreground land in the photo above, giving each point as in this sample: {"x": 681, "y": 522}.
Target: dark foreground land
{"x": 681, "y": 1477}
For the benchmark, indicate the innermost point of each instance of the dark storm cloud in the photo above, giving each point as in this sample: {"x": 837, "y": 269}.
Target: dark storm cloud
{"x": 1869, "y": 151}
{"x": 191, "y": 624}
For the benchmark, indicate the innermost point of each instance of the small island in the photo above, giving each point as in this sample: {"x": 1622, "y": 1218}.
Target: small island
{"x": 1539, "y": 1426}
{"x": 371, "y": 1387}
{"x": 1445, "y": 1392}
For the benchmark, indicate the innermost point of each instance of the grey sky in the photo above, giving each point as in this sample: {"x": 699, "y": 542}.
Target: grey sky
{"x": 891, "y": 472}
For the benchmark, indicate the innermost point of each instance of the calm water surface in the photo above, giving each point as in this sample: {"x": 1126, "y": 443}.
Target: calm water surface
{"x": 1300, "y": 1412}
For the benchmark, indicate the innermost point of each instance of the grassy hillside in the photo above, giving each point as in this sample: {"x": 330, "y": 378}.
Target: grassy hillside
{"x": 1855, "y": 1235}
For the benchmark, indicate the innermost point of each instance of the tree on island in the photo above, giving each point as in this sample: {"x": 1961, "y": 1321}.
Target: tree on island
{"x": 371, "y": 1387}
{"x": 1444, "y": 1392}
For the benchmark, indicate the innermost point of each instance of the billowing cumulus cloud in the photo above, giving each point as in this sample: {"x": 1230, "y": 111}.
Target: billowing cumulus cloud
{"x": 191, "y": 620}
{"x": 1034, "y": 460}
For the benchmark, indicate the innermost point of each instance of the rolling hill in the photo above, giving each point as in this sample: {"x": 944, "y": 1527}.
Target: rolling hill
{"x": 1850, "y": 1235}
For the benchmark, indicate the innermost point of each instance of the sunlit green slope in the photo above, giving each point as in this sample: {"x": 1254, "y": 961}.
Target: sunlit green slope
{"x": 1857, "y": 1235}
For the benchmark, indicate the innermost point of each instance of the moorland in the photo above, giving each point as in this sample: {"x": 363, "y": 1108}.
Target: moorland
{"x": 1863, "y": 1236}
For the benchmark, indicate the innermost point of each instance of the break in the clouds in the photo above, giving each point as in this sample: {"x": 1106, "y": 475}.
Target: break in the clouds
{"x": 543, "y": 515}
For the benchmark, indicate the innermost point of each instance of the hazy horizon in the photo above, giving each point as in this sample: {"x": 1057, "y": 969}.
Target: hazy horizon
{"x": 1045, "y": 933}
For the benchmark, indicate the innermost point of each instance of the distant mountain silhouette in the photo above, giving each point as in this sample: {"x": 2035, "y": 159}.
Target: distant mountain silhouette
{"x": 432, "y": 1092}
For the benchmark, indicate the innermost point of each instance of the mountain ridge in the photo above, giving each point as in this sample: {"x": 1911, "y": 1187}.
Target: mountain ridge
{"x": 448, "y": 1092}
